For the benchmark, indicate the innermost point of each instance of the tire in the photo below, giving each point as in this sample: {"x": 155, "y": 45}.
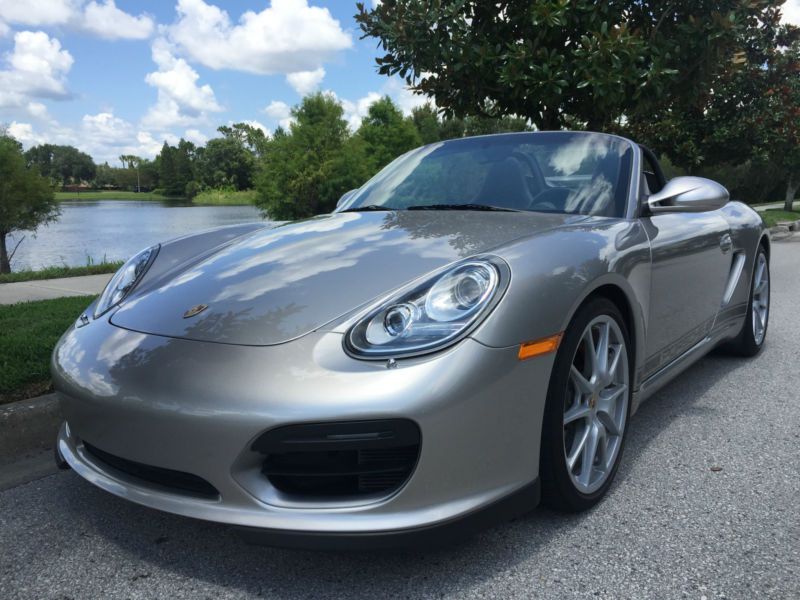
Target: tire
{"x": 750, "y": 341}
{"x": 574, "y": 487}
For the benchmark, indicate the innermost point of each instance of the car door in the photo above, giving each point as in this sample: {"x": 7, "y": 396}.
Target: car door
{"x": 691, "y": 260}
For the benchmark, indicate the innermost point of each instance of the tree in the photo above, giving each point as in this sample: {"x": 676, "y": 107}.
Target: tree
{"x": 746, "y": 128}
{"x": 184, "y": 166}
{"x": 556, "y": 62}
{"x": 477, "y": 125}
{"x": 230, "y": 161}
{"x": 426, "y": 120}
{"x": 63, "y": 164}
{"x": 26, "y": 198}
{"x": 294, "y": 178}
{"x": 166, "y": 170}
{"x": 780, "y": 118}
{"x": 251, "y": 138}
{"x": 386, "y": 133}
{"x": 451, "y": 128}
{"x": 176, "y": 167}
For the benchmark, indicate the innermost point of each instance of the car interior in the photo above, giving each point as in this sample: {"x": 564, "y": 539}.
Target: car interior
{"x": 518, "y": 182}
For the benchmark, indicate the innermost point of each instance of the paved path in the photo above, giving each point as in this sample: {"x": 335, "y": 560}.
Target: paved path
{"x": 763, "y": 207}
{"x": 45, "y": 289}
{"x": 671, "y": 526}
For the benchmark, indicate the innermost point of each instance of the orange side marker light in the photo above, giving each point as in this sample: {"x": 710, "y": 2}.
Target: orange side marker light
{"x": 539, "y": 347}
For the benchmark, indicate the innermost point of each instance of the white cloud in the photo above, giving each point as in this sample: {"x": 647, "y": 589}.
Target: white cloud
{"x": 279, "y": 111}
{"x": 405, "y": 99}
{"x": 287, "y": 37}
{"x": 354, "y": 112}
{"x": 37, "y": 110}
{"x": 149, "y": 146}
{"x": 305, "y": 82}
{"x": 107, "y": 21}
{"x": 37, "y": 69}
{"x": 102, "y": 19}
{"x": 4, "y": 29}
{"x": 105, "y": 128}
{"x": 180, "y": 101}
{"x": 24, "y": 133}
{"x": 195, "y": 136}
{"x": 791, "y": 12}
{"x": 41, "y": 12}
{"x": 105, "y": 136}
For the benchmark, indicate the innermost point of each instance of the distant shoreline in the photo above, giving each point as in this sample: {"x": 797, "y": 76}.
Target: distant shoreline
{"x": 110, "y": 195}
{"x": 205, "y": 198}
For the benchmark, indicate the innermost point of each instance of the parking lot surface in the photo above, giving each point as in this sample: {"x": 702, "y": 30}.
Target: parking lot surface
{"x": 706, "y": 505}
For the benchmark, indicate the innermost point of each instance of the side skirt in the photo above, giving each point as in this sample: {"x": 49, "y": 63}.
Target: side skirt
{"x": 663, "y": 376}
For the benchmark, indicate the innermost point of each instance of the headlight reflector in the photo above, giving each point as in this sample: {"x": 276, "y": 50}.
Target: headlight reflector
{"x": 460, "y": 292}
{"x": 124, "y": 280}
{"x": 432, "y": 314}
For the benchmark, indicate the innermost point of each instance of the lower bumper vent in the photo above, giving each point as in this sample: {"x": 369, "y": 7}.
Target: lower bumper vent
{"x": 335, "y": 460}
{"x": 177, "y": 481}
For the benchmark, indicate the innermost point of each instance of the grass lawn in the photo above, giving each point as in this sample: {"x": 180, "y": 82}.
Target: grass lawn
{"x": 30, "y": 331}
{"x": 110, "y": 195}
{"x": 222, "y": 197}
{"x": 773, "y": 215}
{"x": 64, "y": 271}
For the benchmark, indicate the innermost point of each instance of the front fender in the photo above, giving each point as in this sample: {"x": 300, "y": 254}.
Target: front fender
{"x": 552, "y": 274}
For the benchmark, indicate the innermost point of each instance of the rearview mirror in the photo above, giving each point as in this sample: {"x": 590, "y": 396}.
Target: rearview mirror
{"x": 688, "y": 194}
{"x": 345, "y": 197}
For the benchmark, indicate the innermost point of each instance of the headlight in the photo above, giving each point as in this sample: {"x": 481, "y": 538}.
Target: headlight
{"x": 124, "y": 280}
{"x": 433, "y": 314}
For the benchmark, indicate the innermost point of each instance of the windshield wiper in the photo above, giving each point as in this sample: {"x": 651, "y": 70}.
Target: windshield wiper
{"x": 487, "y": 207}
{"x": 368, "y": 208}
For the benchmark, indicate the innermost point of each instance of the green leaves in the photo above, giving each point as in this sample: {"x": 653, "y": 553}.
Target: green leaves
{"x": 301, "y": 174}
{"x": 559, "y": 62}
{"x": 26, "y": 198}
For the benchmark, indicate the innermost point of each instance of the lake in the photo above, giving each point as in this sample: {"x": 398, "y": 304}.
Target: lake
{"x": 117, "y": 229}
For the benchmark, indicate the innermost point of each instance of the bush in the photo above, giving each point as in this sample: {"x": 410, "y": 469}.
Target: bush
{"x": 192, "y": 189}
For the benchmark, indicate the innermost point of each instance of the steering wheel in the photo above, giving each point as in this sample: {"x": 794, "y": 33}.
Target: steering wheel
{"x": 550, "y": 200}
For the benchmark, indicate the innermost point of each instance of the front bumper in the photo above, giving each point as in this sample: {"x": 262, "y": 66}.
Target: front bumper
{"x": 197, "y": 407}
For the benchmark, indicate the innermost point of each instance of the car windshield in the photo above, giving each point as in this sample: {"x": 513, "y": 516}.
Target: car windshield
{"x": 563, "y": 172}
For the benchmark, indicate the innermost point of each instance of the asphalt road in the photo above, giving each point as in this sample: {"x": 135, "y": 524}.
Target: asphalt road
{"x": 706, "y": 505}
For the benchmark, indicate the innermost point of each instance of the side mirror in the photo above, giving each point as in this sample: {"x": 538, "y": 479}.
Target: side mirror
{"x": 345, "y": 197}
{"x": 688, "y": 194}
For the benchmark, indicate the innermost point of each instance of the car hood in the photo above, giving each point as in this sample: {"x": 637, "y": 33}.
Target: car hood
{"x": 277, "y": 284}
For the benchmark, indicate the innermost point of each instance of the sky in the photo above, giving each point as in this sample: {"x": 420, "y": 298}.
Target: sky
{"x": 116, "y": 77}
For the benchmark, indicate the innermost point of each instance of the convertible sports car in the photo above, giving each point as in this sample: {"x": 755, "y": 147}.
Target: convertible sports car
{"x": 469, "y": 331}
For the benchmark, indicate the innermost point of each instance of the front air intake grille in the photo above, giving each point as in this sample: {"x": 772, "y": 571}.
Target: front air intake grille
{"x": 335, "y": 460}
{"x": 177, "y": 481}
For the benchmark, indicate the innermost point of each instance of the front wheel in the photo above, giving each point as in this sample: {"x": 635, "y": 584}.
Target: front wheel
{"x": 587, "y": 410}
{"x": 754, "y": 331}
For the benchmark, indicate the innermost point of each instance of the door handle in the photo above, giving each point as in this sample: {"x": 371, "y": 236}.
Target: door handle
{"x": 726, "y": 243}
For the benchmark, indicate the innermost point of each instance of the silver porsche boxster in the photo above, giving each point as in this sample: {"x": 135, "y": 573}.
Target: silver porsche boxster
{"x": 469, "y": 332}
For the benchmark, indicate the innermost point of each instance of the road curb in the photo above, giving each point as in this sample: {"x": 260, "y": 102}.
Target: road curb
{"x": 785, "y": 228}
{"x": 28, "y": 427}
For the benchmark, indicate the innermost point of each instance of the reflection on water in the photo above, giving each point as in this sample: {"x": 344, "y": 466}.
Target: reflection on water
{"x": 116, "y": 229}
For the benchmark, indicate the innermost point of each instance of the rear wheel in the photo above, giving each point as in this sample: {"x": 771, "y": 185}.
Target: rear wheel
{"x": 588, "y": 404}
{"x": 754, "y": 331}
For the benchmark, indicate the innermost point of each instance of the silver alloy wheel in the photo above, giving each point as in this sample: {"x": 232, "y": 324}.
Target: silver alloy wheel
{"x": 760, "y": 299}
{"x": 596, "y": 406}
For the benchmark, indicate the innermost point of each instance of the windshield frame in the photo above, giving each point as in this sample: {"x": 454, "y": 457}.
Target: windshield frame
{"x": 633, "y": 166}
